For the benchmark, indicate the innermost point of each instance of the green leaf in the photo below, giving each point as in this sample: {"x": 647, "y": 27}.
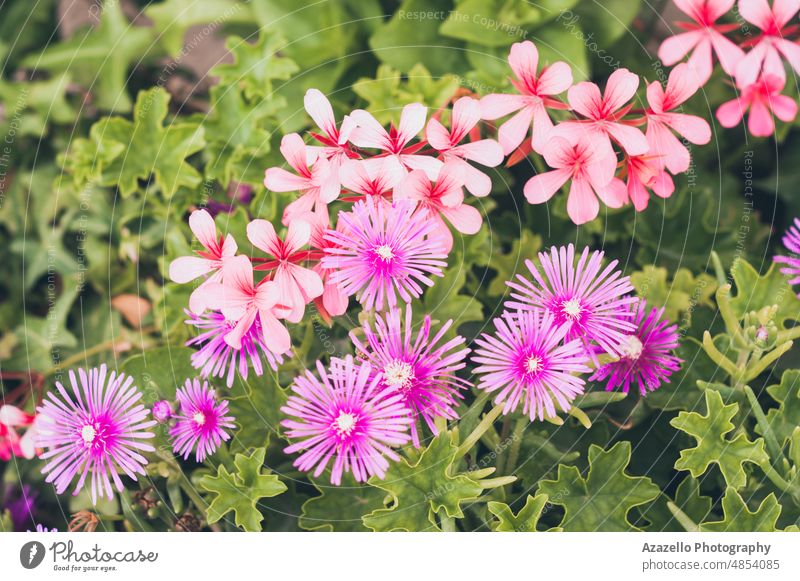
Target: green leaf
{"x": 755, "y": 292}
{"x": 712, "y": 445}
{"x": 256, "y": 406}
{"x": 340, "y": 508}
{"x": 419, "y": 490}
{"x": 602, "y": 500}
{"x": 33, "y": 105}
{"x": 151, "y": 148}
{"x": 524, "y": 521}
{"x": 173, "y": 18}
{"x": 159, "y": 372}
{"x": 256, "y": 65}
{"x": 100, "y": 57}
{"x": 607, "y": 20}
{"x": 738, "y": 518}
{"x": 786, "y": 417}
{"x": 240, "y": 492}
{"x": 510, "y": 263}
{"x": 689, "y": 499}
{"x": 681, "y": 295}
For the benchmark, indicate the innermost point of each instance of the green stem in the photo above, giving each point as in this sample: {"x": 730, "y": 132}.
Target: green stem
{"x": 516, "y": 442}
{"x": 581, "y": 416}
{"x": 717, "y": 357}
{"x": 719, "y": 271}
{"x": 183, "y": 481}
{"x": 683, "y": 519}
{"x": 479, "y": 430}
{"x": 767, "y": 360}
{"x": 731, "y": 322}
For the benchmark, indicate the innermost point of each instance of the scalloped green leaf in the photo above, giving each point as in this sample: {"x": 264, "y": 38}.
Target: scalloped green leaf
{"x": 241, "y": 490}
{"x": 755, "y": 292}
{"x": 786, "y": 417}
{"x": 508, "y": 263}
{"x": 602, "y": 500}
{"x": 679, "y": 295}
{"x": 524, "y": 521}
{"x": 419, "y": 490}
{"x": 341, "y": 508}
{"x": 713, "y": 447}
{"x": 737, "y": 517}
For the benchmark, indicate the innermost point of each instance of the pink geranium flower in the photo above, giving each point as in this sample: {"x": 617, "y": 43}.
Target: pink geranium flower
{"x": 217, "y": 249}
{"x": 202, "y": 422}
{"x": 334, "y": 139}
{"x": 773, "y": 43}
{"x": 296, "y": 284}
{"x": 96, "y": 431}
{"x": 371, "y": 178}
{"x": 591, "y": 170}
{"x": 421, "y": 368}
{"x": 603, "y": 113}
{"x": 384, "y": 251}
{"x": 333, "y": 301}
{"x": 242, "y": 301}
{"x": 348, "y": 416}
{"x": 703, "y": 37}
{"x": 11, "y": 443}
{"x": 645, "y": 173}
{"x": 465, "y": 117}
{"x": 315, "y": 180}
{"x": 441, "y": 200}
{"x": 529, "y": 359}
{"x": 591, "y": 300}
{"x": 763, "y": 99}
{"x": 396, "y": 142}
{"x": 536, "y": 92}
{"x": 672, "y": 154}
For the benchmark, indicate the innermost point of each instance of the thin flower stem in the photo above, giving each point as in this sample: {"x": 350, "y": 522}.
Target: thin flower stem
{"x": 516, "y": 442}
{"x": 183, "y": 480}
{"x": 683, "y": 519}
{"x": 769, "y": 436}
{"x": 717, "y": 357}
{"x": 581, "y": 416}
{"x": 767, "y": 360}
{"x": 719, "y": 271}
{"x": 479, "y": 430}
{"x": 723, "y": 297}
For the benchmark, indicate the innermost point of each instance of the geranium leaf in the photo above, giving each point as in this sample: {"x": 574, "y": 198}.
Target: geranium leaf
{"x": 524, "y": 521}
{"x": 755, "y": 292}
{"x": 602, "y": 500}
{"x": 737, "y": 516}
{"x": 786, "y": 417}
{"x": 340, "y": 508}
{"x": 680, "y": 295}
{"x": 713, "y": 447}
{"x": 240, "y": 492}
{"x": 419, "y": 490}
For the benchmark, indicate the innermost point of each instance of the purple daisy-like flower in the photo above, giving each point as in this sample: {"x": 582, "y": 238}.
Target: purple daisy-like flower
{"x": 201, "y": 421}
{"x": 347, "y": 415}
{"x": 95, "y": 431}
{"x": 216, "y": 358}
{"x": 526, "y": 359}
{"x": 43, "y": 529}
{"x": 380, "y": 251}
{"x": 791, "y": 240}
{"x": 416, "y": 366}
{"x": 593, "y": 303}
{"x": 647, "y": 358}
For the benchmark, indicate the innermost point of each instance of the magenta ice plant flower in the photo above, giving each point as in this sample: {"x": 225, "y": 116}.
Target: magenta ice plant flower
{"x": 791, "y": 240}
{"x": 463, "y": 120}
{"x": 536, "y": 94}
{"x": 773, "y": 43}
{"x": 662, "y": 120}
{"x": 201, "y": 422}
{"x": 440, "y": 201}
{"x": 763, "y": 99}
{"x": 591, "y": 171}
{"x": 315, "y": 179}
{"x": 346, "y": 416}
{"x": 603, "y": 114}
{"x": 420, "y": 367}
{"x": 94, "y": 431}
{"x": 703, "y": 38}
{"x": 529, "y": 358}
{"x": 216, "y": 250}
{"x": 646, "y": 361}
{"x": 382, "y": 251}
{"x": 216, "y": 358}
{"x": 296, "y": 284}
{"x": 162, "y": 411}
{"x": 592, "y": 301}
{"x": 396, "y": 142}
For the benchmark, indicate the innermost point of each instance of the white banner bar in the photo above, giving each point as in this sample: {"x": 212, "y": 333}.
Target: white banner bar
{"x": 386, "y": 557}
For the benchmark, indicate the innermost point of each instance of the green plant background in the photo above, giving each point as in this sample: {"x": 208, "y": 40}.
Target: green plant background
{"x": 112, "y": 132}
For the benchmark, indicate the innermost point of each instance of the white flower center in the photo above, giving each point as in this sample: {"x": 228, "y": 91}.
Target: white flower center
{"x": 199, "y": 418}
{"x": 533, "y": 364}
{"x": 571, "y": 308}
{"x": 398, "y": 374}
{"x": 385, "y": 253}
{"x": 632, "y": 348}
{"x": 345, "y": 423}
{"x": 88, "y": 434}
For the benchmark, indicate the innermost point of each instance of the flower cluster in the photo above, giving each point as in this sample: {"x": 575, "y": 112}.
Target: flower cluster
{"x": 756, "y": 64}
{"x": 603, "y": 143}
{"x": 571, "y": 313}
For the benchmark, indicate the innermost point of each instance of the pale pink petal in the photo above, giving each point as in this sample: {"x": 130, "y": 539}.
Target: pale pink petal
{"x": 681, "y": 85}
{"x": 12, "y": 416}
{"x": 784, "y": 107}
{"x": 731, "y": 113}
{"x": 430, "y": 165}
{"x": 717, "y": 8}
{"x": 464, "y": 218}
{"x": 415, "y": 186}
{"x": 308, "y": 280}
{"x": 586, "y": 99}
{"x": 749, "y": 67}
{"x": 188, "y": 268}
{"x": 486, "y": 152}
{"x": 297, "y": 235}
{"x": 477, "y": 183}
{"x": 663, "y": 186}
{"x": 614, "y": 194}
{"x": 319, "y": 109}
{"x": 631, "y": 139}
{"x": 756, "y": 12}
{"x": 202, "y": 225}
{"x": 600, "y": 168}
{"x": 279, "y": 180}
{"x": 560, "y": 149}
{"x": 438, "y": 136}
{"x": 234, "y": 336}
{"x": 620, "y": 88}
{"x": 465, "y": 116}
{"x": 499, "y": 105}
{"x": 695, "y": 129}
{"x": 669, "y": 151}
{"x": 728, "y": 53}
{"x": 294, "y": 150}
{"x": 784, "y": 11}
{"x": 412, "y": 120}
{"x": 637, "y": 192}
{"x": 524, "y": 60}
{"x": 676, "y": 47}
{"x": 541, "y": 187}
{"x": 582, "y": 204}
{"x": 542, "y": 126}
{"x": 759, "y": 121}
{"x": 701, "y": 62}
{"x": 513, "y": 131}
{"x": 368, "y": 132}
{"x": 334, "y": 300}
{"x": 276, "y": 336}
{"x": 791, "y": 52}
{"x": 555, "y": 79}
{"x": 261, "y": 233}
